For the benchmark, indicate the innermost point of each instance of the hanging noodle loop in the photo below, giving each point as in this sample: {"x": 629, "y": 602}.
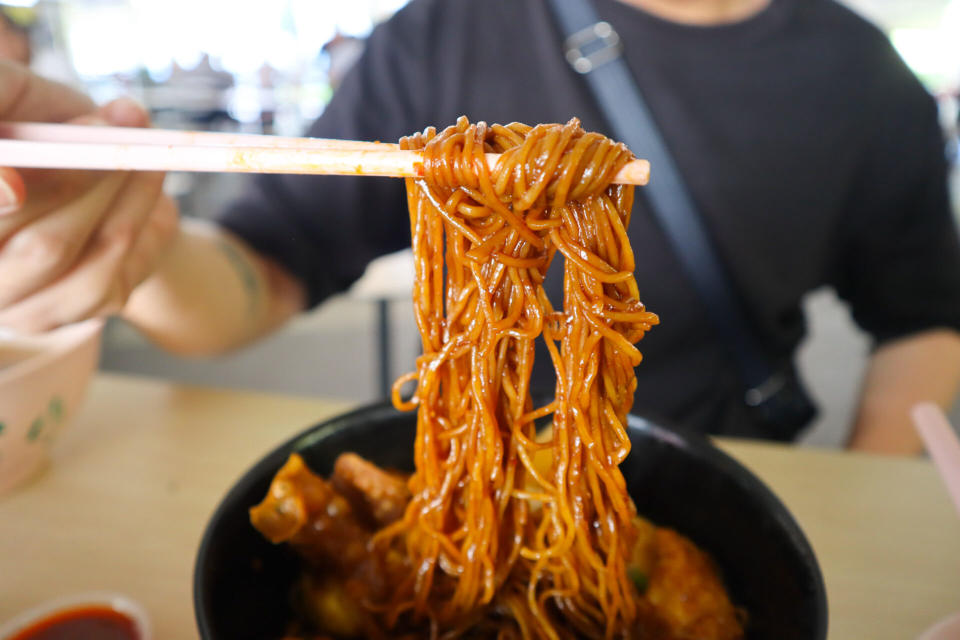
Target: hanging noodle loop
{"x": 489, "y": 534}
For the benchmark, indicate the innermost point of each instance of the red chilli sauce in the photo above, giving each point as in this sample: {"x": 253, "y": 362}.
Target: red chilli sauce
{"x": 95, "y": 622}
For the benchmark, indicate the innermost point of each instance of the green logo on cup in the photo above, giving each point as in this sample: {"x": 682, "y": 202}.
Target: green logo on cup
{"x": 35, "y": 429}
{"x": 55, "y": 409}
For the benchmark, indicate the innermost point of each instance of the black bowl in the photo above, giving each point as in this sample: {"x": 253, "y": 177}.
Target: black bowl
{"x": 241, "y": 582}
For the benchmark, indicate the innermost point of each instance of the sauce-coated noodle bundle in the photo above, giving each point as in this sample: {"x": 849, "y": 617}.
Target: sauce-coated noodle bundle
{"x": 489, "y": 534}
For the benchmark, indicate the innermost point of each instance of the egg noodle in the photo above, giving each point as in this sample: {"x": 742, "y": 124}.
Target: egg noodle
{"x": 542, "y": 547}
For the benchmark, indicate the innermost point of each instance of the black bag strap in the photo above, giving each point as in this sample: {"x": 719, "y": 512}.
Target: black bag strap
{"x": 593, "y": 48}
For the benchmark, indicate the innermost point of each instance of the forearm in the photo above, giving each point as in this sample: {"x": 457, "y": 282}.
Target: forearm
{"x": 923, "y": 367}
{"x": 212, "y": 293}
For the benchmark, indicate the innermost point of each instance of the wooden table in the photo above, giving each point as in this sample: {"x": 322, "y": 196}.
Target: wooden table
{"x": 135, "y": 478}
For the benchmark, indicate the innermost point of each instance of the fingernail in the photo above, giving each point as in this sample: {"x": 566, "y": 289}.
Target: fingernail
{"x": 8, "y": 199}
{"x": 12, "y": 190}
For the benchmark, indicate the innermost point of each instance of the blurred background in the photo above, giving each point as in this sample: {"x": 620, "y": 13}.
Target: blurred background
{"x": 271, "y": 67}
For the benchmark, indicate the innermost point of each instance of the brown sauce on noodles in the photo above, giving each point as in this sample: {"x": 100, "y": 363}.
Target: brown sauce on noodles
{"x": 483, "y": 240}
{"x": 499, "y": 533}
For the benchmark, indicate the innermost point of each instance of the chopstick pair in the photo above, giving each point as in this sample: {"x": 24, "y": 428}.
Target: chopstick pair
{"x": 63, "y": 146}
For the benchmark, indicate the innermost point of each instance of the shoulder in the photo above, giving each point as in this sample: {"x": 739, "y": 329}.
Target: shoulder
{"x": 440, "y": 24}
{"x": 424, "y": 16}
{"x": 858, "y": 58}
{"x": 839, "y": 23}
{"x": 850, "y": 41}
{"x": 449, "y": 36}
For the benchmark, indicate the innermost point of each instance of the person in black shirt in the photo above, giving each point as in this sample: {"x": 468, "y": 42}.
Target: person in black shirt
{"x": 812, "y": 152}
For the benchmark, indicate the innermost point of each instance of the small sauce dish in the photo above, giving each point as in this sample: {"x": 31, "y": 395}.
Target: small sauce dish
{"x": 86, "y": 616}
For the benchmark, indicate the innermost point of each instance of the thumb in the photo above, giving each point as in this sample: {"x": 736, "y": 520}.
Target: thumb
{"x": 125, "y": 112}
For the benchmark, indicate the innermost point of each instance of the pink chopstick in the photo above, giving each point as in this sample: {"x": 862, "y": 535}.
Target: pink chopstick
{"x": 942, "y": 444}
{"x": 75, "y": 133}
{"x": 59, "y": 146}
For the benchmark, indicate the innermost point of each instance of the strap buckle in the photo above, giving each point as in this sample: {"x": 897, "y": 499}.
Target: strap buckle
{"x": 756, "y": 396}
{"x": 592, "y": 47}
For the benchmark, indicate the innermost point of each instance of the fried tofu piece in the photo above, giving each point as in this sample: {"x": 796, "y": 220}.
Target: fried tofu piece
{"x": 686, "y": 592}
{"x": 644, "y": 553}
{"x": 305, "y": 510}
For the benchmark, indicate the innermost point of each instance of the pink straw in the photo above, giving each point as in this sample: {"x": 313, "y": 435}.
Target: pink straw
{"x": 942, "y": 444}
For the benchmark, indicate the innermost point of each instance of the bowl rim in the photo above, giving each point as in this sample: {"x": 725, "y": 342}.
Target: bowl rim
{"x": 49, "y": 347}
{"x": 694, "y": 443}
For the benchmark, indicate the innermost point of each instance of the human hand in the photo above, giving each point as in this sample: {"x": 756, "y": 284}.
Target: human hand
{"x": 74, "y": 244}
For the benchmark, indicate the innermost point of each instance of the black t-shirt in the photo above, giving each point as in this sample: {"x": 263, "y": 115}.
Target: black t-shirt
{"x": 813, "y": 153}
